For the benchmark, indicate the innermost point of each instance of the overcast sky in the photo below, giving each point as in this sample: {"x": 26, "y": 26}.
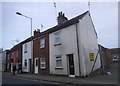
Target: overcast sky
{"x": 104, "y": 16}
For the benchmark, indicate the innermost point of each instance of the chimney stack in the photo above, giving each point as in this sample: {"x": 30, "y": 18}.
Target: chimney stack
{"x": 37, "y": 33}
{"x": 61, "y": 18}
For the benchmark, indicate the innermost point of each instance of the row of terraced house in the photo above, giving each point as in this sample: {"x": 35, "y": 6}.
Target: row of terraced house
{"x": 69, "y": 48}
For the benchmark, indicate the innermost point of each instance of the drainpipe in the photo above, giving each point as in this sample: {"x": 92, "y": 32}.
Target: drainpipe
{"x": 21, "y": 58}
{"x": 78, "y": 48}
{"x": 101, "y": 59}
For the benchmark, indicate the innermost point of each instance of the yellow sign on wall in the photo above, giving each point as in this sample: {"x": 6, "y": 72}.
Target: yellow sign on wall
{"x": 91, "y": 55}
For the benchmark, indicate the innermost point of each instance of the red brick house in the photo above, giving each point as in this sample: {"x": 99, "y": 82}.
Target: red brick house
{"x": 109, "y": 56}
{"x": 115, "y": 53}
{"x": 41, "y": 52}
{"x": 106, "y": 58}
{"x": 15, "y": 54}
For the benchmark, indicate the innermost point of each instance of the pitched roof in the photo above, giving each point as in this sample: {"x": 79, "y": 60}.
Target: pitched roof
{"x": 27, "y": 40}
{"x": 115, "y": 50}
{"x": 55, "y": 28}
{"x": 15, "y": 47}
{"x": 67, "y": 23}
{"x": 20, "y": 44}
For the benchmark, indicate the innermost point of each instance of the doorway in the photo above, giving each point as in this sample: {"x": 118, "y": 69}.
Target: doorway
{"x": 36, "y": 65}
{"x": 29, "y": 65}
{"x": 71, "y": 65}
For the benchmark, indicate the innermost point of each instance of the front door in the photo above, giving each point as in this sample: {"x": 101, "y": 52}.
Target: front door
{"x": 29, "y": 65}
{"x": 36, "y": 65}
{"x": 71, "y": 64}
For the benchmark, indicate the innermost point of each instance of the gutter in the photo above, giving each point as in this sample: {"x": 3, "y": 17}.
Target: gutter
{"x": 78, "y": 48}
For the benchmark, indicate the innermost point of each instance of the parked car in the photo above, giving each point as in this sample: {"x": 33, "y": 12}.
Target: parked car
{"x": 115, "y": 59}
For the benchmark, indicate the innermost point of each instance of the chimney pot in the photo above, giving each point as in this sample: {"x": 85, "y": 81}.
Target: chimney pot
{"x": 61, "y": 18}
{"x": 59, "y": 13}
{"x": 63, "y": 15}
{"x": 37, "y": 33}
{"x": 38, "y": 30}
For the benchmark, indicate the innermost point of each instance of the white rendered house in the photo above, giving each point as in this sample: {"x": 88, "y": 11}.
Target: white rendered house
{"x": 73, "y": 46}
{"x": 27, "y": 55}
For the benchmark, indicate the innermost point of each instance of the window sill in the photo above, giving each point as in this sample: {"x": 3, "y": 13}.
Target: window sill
{"x": 42, "y": 47}
{"x": 58, "y": 67}
{"x": 25, "y": 52}
{"x": 42, "y": 68}
{"x": 57, "y": 44}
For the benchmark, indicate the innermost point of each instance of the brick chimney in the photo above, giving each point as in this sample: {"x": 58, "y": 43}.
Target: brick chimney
{"x": 61, "y": 18}
{"x": 37, "y": 33}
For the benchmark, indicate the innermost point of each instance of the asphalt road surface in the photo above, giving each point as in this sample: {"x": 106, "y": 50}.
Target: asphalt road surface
{"x": 18, "y": 80}
{"x": 99, "y": 79}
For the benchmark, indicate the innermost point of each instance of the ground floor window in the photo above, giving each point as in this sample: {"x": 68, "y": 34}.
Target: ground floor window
{"x": 58, "y": 62}
{"x": 42, "y": 63}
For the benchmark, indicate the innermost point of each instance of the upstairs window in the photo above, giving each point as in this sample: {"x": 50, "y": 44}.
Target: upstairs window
{"x": 25, "y": 48}
{"x": 42, "y": 43}
{"x": 57, "y": 38}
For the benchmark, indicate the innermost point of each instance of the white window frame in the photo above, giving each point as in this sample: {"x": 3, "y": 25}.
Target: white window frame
{"x": 25, "y": 48}
{"x": 58, "y": 58}
{"x": 42, "y": 62}
{"x": 57, "y": 36}
{"x": 42, "y": 42}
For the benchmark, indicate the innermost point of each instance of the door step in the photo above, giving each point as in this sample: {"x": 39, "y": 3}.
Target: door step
{"x": 71, "y": 75}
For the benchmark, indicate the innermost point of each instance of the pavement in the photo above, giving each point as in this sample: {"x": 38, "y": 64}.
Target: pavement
{"x": 110, "y": 78}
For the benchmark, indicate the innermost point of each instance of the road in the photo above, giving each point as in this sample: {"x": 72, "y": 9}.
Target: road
{"x": 107, "y": 78}
{"x": 98, "y": 79}
{"x": 17, "y": 80}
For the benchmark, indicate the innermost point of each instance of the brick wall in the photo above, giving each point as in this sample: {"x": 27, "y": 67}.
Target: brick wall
{"x": 41, "y": 52}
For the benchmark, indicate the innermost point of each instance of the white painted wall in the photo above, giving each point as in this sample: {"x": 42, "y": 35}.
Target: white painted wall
{"x": 0, "y": 62}
{"x": 3, "y": 60}
{"x": 0, "y": 68}
{"x": 4, "y": 56}
{"x": 88, "y": 43}
{"x": 26, "y": 56}
{"x": 68, "y": 46}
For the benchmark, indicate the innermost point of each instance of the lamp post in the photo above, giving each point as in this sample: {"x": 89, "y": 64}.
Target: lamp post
{"x": 31, "y": 63}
